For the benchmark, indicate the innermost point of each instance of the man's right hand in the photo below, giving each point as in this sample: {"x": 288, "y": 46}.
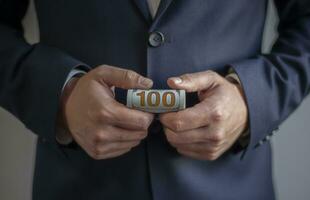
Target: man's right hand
{"x": 103, "y": 127}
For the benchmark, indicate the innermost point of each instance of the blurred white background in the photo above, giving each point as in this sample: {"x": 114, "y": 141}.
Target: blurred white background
{"x": 291, "y": 144}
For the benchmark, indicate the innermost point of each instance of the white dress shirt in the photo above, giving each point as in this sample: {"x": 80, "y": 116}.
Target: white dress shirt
{"x": 153, "y": 6}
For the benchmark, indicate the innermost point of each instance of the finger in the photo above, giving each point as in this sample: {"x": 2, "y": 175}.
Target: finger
{"x": 210, "y": 135}
{"x": 203, "y": 147}
{"x": 119, "y": 115}
{"x": 190, "y": 118}
{"x": 123, "y": 78}
{"x": 200, "y": 156}
{"x": 117, "y": 134}
{"x": 195, "y": 82}
{"x": 109, "y": 155}
{"x": 114, "y": 146}
{"x": 186, "y": 137}
{"x": 191, "y": 154}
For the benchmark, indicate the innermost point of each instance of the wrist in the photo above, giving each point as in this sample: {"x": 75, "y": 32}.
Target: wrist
{"x": 244, "y": 134}
{"x": 63, "y": 135}
{"x": 67, "y": 91}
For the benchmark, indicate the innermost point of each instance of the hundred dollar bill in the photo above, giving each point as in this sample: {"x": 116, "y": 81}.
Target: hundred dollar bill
{"x": 156, "y": 101}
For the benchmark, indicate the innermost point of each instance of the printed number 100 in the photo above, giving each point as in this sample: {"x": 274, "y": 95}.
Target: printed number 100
{"x": 157, "y": 97}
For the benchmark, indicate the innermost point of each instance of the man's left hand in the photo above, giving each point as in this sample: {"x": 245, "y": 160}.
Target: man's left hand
{"x": 208, "y": 129}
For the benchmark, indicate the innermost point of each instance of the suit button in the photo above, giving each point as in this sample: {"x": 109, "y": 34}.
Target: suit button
{"x": 156, "y": 39}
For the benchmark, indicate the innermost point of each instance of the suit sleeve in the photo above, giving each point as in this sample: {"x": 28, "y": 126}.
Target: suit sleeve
{"x": 276, "y": 83}
{"x": 31, "y": 76}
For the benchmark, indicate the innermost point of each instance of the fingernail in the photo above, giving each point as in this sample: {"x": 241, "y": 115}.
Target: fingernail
{"x": 146, "y": 82}
{"x": 176, "y": 80}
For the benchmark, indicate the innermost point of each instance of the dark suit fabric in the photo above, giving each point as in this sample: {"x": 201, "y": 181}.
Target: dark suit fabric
{"x": 199, "y": 35}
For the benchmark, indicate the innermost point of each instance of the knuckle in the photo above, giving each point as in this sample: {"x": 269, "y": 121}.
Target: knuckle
{"x": 101, "y": 69}
{"x": 213, "y": 151}
{"x": 211, "y": 156}
{"x": 107, "y": 114}
{"x": 145, "y": 122}
{"x": 177, "y": 125}
{"x": 212, "y": 74}
{"x": 95, "y": 155}
{"x": 130, "y": 75}
{"x": 187, "y": 78}
{"x": 216, "y": 144}
{"x": 218, "y": 114}
{"x": 99, "y": 138}
{"x": 104, "y": 66}
{"x": 217, "y": 137}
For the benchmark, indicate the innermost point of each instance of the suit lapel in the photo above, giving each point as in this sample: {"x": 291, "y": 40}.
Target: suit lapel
{"x": 164, "y": 4}
{"x": 144, "y": 10}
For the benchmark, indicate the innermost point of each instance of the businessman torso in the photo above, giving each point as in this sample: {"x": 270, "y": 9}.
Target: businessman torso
{"x": 190, "y": 36}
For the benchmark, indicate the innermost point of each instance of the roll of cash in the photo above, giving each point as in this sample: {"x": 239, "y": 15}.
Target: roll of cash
{"x": 156, "y": 101}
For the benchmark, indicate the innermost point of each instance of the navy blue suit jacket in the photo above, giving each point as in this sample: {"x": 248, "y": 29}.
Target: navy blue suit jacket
{"x": 199, "y": 35}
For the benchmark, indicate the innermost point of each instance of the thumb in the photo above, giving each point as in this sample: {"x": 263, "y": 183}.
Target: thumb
{"x": 194, "y": 82}
{"x": 123, "y": 78}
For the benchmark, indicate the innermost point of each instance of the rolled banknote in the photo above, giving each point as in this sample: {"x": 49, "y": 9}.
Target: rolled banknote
{"x": 156, "y": 101}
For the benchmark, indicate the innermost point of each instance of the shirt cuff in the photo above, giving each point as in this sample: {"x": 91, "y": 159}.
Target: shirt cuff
{"x": 73, "y": 73}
